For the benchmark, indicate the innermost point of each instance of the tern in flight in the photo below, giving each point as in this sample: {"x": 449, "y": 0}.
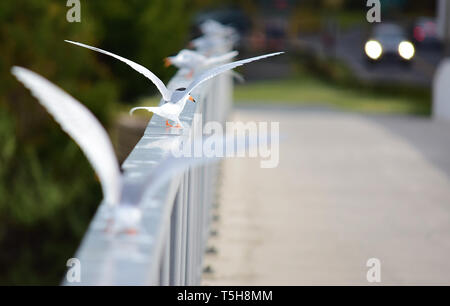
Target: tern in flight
{"x": 175, "y": 99}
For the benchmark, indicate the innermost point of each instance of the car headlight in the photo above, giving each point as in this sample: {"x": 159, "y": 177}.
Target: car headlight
{"x": 406, "y": 50}
{"x": 373, "y": 49}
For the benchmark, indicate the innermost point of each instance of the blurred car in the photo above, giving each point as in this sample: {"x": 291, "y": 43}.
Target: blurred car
{"x": 388, "y": 41}
{"x": 425, "y": 33}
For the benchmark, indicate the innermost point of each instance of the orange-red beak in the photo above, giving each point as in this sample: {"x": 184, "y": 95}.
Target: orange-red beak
{"x": 167, "y": 62}
{"x": 191, "y": 99}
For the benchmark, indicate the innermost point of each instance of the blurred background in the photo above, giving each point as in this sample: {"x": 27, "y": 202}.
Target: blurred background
{"x": 48, "y": 191}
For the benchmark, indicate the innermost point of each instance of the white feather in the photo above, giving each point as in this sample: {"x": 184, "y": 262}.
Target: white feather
{"x": 139, "y": 68}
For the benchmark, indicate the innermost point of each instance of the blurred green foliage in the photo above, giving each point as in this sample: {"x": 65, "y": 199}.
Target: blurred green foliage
{"x": 48, "y": 191}
{"x": 413, "y": 98}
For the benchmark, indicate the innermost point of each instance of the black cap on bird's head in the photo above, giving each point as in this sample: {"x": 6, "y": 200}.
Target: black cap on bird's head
{"x": 190, "y": 98}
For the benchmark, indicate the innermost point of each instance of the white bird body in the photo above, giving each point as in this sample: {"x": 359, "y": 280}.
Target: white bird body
{"x": 180, "y": 95}
{"x": 84, "y": 128}
{"x": 216, "y": 37}
{"x": 187, "y": 61}
{"x": 192, "y": 59}
{"x": 211, "y": 45}
{"x": 171, "y": 111}
{"x": 213, "y": 28}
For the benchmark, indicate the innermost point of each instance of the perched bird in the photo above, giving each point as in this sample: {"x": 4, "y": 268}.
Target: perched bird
{"x": 188, "y": 60}
{"x": 177, "y": 98}
{"x": 170, "y": 111}
{"x": 84, "y": 128}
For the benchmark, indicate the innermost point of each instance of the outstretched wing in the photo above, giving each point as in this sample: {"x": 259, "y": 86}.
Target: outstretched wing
{"x": 221, "y": 58}
{"x": 210, "y": 73}
{"x": 77, "y": 121}
{"x": 139, "y": 68}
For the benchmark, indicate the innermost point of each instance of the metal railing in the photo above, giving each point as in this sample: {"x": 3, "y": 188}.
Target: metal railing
{"x": 176, "y": 221}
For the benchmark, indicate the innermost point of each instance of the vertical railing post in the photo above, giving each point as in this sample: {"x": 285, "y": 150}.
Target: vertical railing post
{"x": 184, "y": 240}
{"x": 164, "y": 277}
{"x": 176, "y": 237}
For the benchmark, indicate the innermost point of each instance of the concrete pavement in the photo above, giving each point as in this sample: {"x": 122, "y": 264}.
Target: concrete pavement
{"x": 348, "y": 188}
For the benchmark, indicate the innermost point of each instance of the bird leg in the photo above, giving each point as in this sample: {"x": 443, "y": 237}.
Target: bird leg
{"x": 131, "y": 231}
{"x": 190, "y": 74}
{"x": 176, "y": 126}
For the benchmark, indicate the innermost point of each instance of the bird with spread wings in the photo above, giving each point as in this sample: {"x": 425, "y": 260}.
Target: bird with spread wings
{"x": 176, "y": 99}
